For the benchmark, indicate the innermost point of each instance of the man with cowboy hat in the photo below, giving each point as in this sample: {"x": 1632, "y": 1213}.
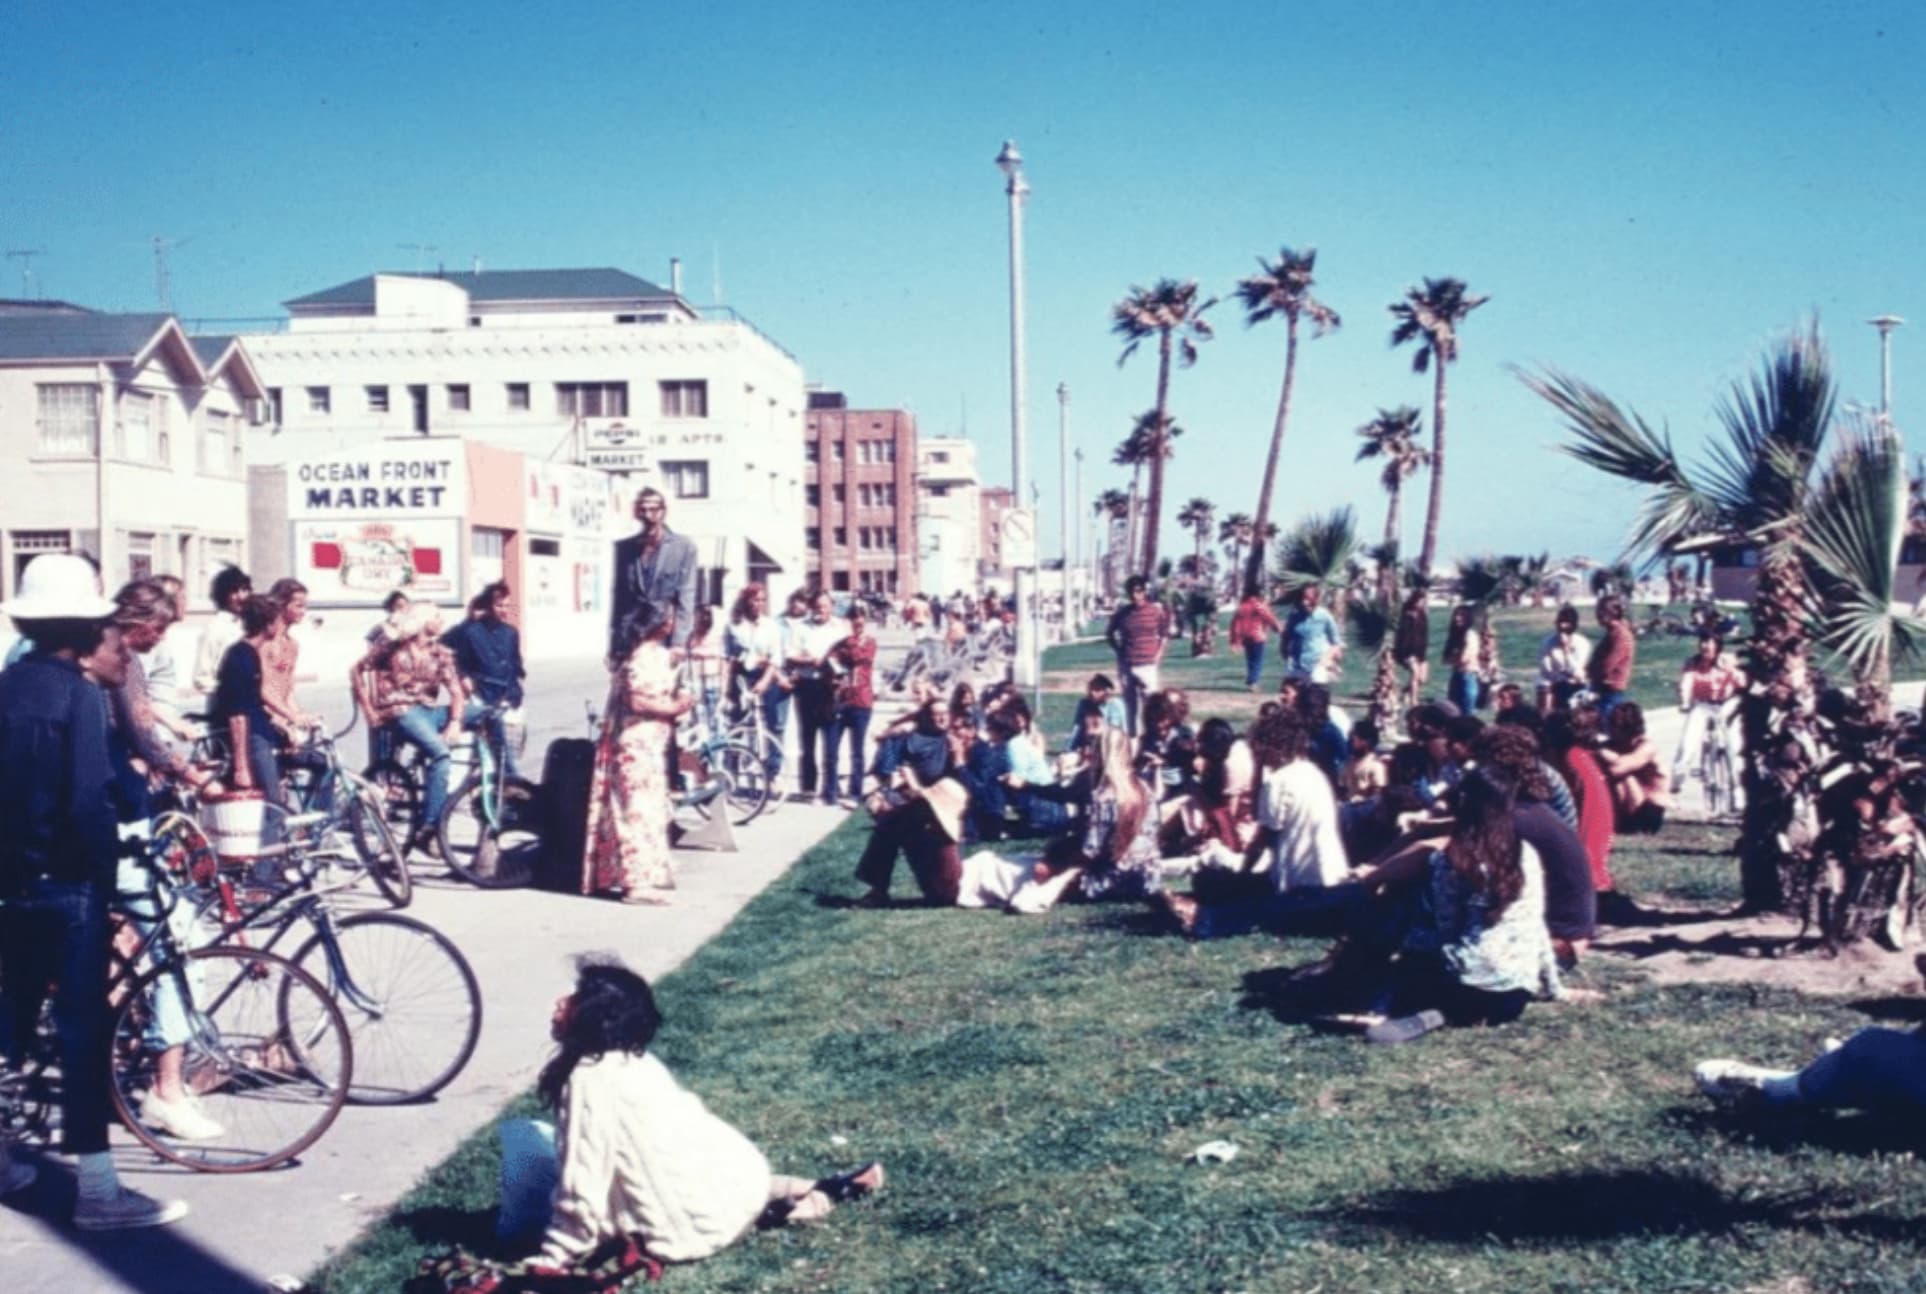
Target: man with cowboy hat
{"x": 58, "y": 858}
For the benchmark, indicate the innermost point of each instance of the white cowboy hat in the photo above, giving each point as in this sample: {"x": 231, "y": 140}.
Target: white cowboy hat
{"x": 58, "y": 586}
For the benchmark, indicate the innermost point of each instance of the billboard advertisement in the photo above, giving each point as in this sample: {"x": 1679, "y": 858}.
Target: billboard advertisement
{"x": 358, "y": 563}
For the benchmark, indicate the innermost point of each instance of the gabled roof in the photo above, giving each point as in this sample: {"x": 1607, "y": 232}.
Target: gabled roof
{"x": 605, "y": 284}
{"x": 39, "y": 305}
{"x": 222, "y": 351}
{"x": 58, "y": 335}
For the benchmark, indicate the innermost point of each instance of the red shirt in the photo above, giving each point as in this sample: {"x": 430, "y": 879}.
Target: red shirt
{"x": 1254, "y": 622}
{"x": 1139, "y": 632}
{"x": 1594, "y": 796}
{"x": 858, "y": 691}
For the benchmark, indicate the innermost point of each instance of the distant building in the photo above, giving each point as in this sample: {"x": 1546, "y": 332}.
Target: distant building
{"x": 995, "y": 502}
{"x": 592, "y": 367}
{"x": 949, "y": 515}
{"x": 121, "y": 437}
{"x": 859, "y": 497}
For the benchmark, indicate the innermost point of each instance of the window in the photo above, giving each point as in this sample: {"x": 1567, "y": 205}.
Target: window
{"x": 140, "y": 554}
{"x": 939, "y": 456}
{"x": 813, "y": 495}
{"x": 835, "y": 451}
{"x": 518, "y": 397}
{"x": 862, "y": 496}
{"x": 862, "y": 537}
{"x": 220, "y": 446}
{"x": 812, "y": 452}
{"x": 318, "y": 401}
{"x": 939, "y": 491}
{"x": 842, "y": 537}
{"x": 642, "y": 319}
{"x": 274, "y": 404}
{"x": 685, "y": 399}
{"x": 813, "y": 538}
{"x": 29, "y": 544}
{"x": 592, "y": 399}
{"x": 865, "y": 452}
{"x": 889, "y": 451}
{"x": 839, "y": 581}
{"x": 377, "y": 399}
{"x": 458, "y": 397}
{"x": 544, "y": 547}
{"x": 685, "y": 479}
{"x": 839, "y": 493}
{"x": 141, "y": 434}
{"x": 69, "y": 418}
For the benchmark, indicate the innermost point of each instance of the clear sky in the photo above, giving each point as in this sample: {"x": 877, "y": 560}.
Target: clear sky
{"x": 1649, "y": 193}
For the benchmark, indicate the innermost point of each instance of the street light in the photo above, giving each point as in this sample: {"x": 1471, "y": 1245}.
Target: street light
{"x": 1025, "y": 669}
{"x": 1886, "y": 324}
{"x": 1063, "y": 501}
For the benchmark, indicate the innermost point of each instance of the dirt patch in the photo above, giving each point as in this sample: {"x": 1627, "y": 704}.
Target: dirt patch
{"x": 1694, "y": 946}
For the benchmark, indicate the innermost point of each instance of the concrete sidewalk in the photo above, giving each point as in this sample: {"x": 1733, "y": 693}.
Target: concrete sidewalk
{"x": 247, "y": 1228}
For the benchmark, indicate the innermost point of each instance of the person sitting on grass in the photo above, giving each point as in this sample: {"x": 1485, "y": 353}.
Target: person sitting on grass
{"x": 918, "y": 806}
{"x": 1561, "y": 800}
{"x": 1168, "y": 746}
{"x": 1365, "y": 771}
{"x": 1216, "y": 820}
{"x": 1879, "y": 1070}
{"x": 1570, "y": 740}
{"x": 638, "y": 1157}
{"x": 1640, "y": 787}
{"x": 1113, "y": 855}
{"x": 1571, "y": 904}
{"x": 1040, "y": 805}
{"x": 1100, "y": 707}
{"x": 1329, "y": 736}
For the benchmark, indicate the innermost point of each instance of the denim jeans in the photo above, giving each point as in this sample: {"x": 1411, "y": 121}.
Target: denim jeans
{"x": 775, "y": 718}
{"x": 1312, "y": 910}
{"x": 497, "y": 724}
{"x": 1253, "y": 662}
{"x": 1463, "y": 691}
{"x": 1609, "y": 699}
{"x": 57, "y": 933}
{"x": 854, "y": 721}
{"x": 815, "y": 716}
{"x": 421, "y": 727}
{"x": 1876, "y": 1069}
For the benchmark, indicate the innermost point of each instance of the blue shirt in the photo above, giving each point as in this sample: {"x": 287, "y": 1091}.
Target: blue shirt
{"x": 237, "y": 692}
{"x": 1113, "y": 717}
{"x": 1308, "y": 638}
{"x": 490, "y": 655}
{"x": 58, "y": 814}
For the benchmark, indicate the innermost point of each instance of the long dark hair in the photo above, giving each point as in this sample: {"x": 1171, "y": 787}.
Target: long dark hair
{"x": 1483, "y": 850}
{"x": 611, "y": 1010}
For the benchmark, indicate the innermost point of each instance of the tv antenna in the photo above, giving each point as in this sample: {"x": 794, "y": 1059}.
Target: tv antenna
{"x": 25, "y": 256}
{"x": 163, "y": 282}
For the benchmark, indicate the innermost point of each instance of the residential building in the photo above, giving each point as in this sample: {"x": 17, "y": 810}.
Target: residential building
{"x": 593, "y": 367}
{"x": 121, "y": 437}
{"x": 859, "y": 497}
{"x": 949, "y": 517}
{"x": 995, "y": 502}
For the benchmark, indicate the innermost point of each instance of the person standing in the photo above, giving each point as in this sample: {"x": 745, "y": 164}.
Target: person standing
{"x": 1610, "y": 669}
{"x": 58, "y": 859}
{"x": 488, "y": 656}
{"x": 280, "y": 656}
{"x": 855, "y": 658}
{"x": 629, "y": 811}
{"x": 1462, "y": 646}
{"x": 230, "y": 589}
{"x": 1411, "y": 644}
{"x": 1708, "y": 679}
{"x": 1562, "y": 660}
{"x": 1251, "y": 628}
{"x": 1312, "y": 644}
{"x": 753, "y": 643}
{"x": 654, "y": 566}
{"x": 806, "y": 662}
{"x": 1138, "y": 632}
{"x": 238, "y": 711}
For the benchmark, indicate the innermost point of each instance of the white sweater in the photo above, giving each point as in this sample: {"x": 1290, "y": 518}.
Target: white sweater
{"x": 643, "y": 1156}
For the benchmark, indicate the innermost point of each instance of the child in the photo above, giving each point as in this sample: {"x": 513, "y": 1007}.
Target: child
{"x": 1364, "y": 773}
{"x": 1100, "y": 708}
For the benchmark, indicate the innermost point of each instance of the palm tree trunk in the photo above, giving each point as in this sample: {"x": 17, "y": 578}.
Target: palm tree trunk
{"x": 1155, "y": 503}
{"x": 1256, "y": 572}
{"x": 1133, "y": 524}
{"x": 1388, "y": 577}
{"x": 1779, "y": 696}
{"x": 1384, "y": 692}
{"x": 1429, "y": 552}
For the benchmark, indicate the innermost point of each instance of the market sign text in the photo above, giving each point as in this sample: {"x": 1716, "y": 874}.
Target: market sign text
{"x": 407, "y": 484}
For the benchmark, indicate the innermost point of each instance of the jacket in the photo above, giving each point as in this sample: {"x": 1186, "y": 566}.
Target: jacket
{"x": 669, "y": 576}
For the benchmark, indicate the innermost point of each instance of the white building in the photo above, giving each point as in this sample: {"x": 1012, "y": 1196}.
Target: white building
{"x": 122, "y": 417}
{"x": 949, "y": 516}
{"x": 588, "y": 366}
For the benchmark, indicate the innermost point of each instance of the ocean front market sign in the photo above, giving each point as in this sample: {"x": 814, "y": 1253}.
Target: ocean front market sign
{"x": 384, "y": 480}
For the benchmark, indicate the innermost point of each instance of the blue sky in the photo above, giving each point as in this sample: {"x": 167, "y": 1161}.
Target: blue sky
{"x": 1648, "y": 192}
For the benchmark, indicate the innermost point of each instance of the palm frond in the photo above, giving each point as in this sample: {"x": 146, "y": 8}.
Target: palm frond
{"x": 1775, "y": 427}
{"x": 1316, "y": 550}
{"x": 1482, "y": 580}
{"x": 1850, "y": 539}
{"x": 1371, "y": 622}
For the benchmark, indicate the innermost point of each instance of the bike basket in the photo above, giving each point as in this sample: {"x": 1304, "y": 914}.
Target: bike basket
{"x": 234, "y": 824}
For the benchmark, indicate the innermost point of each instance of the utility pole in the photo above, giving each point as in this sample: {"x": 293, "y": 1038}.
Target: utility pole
{"x": 1027, "y": 672}
{"x": 1063, "y": 501}
{"x": 25, "y": 256}
{"x": 1082, "y": 521}
{"x": 1886, "y": 324}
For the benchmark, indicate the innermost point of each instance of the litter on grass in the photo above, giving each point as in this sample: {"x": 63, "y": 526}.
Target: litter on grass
{"x": 1214, "y": 1152}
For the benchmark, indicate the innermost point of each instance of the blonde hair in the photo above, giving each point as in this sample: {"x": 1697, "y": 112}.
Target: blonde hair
{"x": 1115, "y": 770}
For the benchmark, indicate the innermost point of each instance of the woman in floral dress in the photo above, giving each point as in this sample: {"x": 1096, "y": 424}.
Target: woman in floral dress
{"x": 628, "y": 825}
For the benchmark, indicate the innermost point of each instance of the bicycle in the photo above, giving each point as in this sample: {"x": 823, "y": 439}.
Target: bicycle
{"x": 1716, "y": 765}
{"x": 263, "y": 1046}
{"x": 752, "y": 732}
{"x": 490, "y": 830}
{"x": 704, "y": 776}
{"x": 399, "y": 982}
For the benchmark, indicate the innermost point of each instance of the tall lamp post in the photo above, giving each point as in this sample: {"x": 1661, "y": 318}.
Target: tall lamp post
{"x": 1886, "y": 324}
{"x": 1082, "y": 521}
{"x": 1063, "y": 500}
{"x": 1026, "y": 667}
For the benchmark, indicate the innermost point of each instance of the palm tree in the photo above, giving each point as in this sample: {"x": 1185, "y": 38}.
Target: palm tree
{"x": 1199, "y": 514}
{"x": 1485, "y": 582}
{"x": 1282, "y": 288}
{"x": 1169, "y": 311}
{"x": 1113, "y": 505}
{"x": 1826, "y": 533}
{"x": 1234, "y": 532}
{"x": 1430, "y": 316}
{"x": 1372, "y": 625}
{"x": 1133, "y": 452}
{"x": 1393, "y": 436}
{"x": 1318, "y": 551}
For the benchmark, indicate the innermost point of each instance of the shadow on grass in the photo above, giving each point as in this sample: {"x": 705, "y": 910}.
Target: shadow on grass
{"x": 1729, "y": 944}
{"x": 1294, "y": 995}
{"x": 438, "y": 1226}
{"x": 1912, "y": 1009}
{"x": 1594, "y": 1206}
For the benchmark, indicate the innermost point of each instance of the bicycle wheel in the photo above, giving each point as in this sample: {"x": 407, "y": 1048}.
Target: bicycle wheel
{"x": 267, "y": 1054}
{"x": 769, "y": 747}
{"x": 401, "y": 795}
{"x": 185, "y": 850}
{"x": 749, "y": 780}
{"x": 495, "y": 852}
{"x": 381, "y": 855}
{"x": 412, "y": 1003}
{"x": 1720, "y": 801}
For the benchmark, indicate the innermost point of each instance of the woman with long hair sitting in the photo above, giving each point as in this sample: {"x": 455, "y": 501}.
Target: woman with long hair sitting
{"x": 638, "y": 1157}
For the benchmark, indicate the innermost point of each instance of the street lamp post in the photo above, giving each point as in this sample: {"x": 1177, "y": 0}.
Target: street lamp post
{"x": 1082, "y": 521}
{"x": 1026, "y": 669}
{"x": 1063, "y": 500}
{"x": 1886, "y": 324}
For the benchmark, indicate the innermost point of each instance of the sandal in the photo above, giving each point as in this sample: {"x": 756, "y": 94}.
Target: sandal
{"x": 853, "y": 1185}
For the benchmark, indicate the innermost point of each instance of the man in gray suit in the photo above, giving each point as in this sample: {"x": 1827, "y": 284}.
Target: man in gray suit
{"x": 655, "y": 566}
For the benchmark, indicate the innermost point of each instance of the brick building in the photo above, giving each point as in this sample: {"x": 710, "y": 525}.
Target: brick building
{"x": 859, "y": 504}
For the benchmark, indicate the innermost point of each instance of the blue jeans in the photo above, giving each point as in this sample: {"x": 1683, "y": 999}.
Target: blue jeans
{"x": 1463, "y": 691}
{"x": 57, "y": 933}
{"x": 775, "y": 718}
{"x": 1609, "y": 699}
{"x": 1877, "y": 1069}
{"x": 421, "y": 727}
{"x": 854, "y": 722}
{"x": 1311, "y": 910}
{"x": 1253, "y": 662}
{"x": 497, "y": 735}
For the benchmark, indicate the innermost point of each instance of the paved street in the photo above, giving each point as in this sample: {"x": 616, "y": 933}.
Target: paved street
{"x": 247, "y": 1228}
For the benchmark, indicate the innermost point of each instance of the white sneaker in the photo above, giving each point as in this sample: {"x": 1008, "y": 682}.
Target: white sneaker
{"x": 126, "y": 1209}
{"x": 1731, "y": 1081}
{"x": 181, "y": 1119}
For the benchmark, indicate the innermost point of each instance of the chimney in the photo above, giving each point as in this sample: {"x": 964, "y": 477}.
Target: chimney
{"x": 675, "y": 275}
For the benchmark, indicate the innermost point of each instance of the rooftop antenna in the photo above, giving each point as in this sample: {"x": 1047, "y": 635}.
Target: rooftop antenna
{"x": 25, "y": 256}
{"x": 163, "y": 281}
{"x": 421, "y": 251}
